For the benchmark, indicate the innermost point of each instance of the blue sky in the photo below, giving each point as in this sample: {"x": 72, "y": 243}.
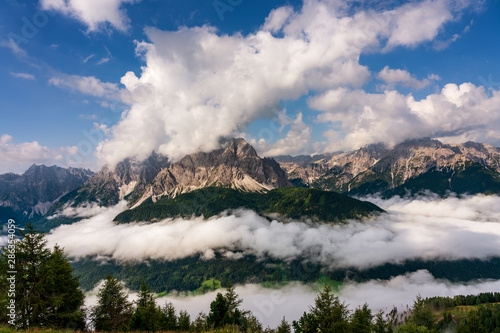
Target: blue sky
{"x": 323, "y": 75}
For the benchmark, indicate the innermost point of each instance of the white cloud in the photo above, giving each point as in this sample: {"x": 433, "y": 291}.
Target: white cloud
{"x": 88, "y": 58}
{"x": 440, "y": 45}
{"x": 270, "y": 305}
{"x": 23, "y": 75}
{"x": 297, "y": 141}
{"x": 463, "y": 111}
{"x": 428, "y": 229}
{"x": 17, "y": 157}
{"x": 95, "y": 14}
{"x": 402, "y": 77}
{"x": 198, "y": 85}
{"x": 14, "y": 47}
{"x": 418, "y": 22}
{"x": 103, "y": 61}
{"x": 88, "y": 85}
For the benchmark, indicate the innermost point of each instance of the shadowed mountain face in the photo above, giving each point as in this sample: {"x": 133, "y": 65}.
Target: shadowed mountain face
{"x": 408, "y": 168}
{"x": 30, "y": 195}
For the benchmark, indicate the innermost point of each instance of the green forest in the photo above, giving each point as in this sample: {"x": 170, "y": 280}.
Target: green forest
{"x": 289, "y": 202}
{"x": 47, "y": 297}
{"x": 188, "y": 274}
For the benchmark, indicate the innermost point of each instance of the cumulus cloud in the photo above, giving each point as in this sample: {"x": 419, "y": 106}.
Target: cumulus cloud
{"x": 95, "y": 14}
{"x": 198, "y": 85}
{"x": 418, "y": 22}
{"x": 464, "y": 111}
{"x": 17, "y": 157}
{"x": 402, "y": 77}
{"x": 450, "y": 229}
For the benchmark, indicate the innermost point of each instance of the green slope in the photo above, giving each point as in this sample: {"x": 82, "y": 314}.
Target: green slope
{"x": 289, "y": 202}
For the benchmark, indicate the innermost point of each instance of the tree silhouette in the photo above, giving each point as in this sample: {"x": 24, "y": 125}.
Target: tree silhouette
{"x": 113, "y": 311}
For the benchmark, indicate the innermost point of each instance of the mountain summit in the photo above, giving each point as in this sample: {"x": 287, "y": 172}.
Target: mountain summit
{"x": 30, "y": 195}
{"x": 235, "y": 165}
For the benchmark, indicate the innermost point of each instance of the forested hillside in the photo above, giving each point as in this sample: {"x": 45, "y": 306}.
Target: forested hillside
{"x": 288, "y": 202}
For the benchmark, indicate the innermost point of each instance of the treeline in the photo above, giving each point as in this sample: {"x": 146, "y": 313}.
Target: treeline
{"x": 187, "y": 274}
{"x": 443, "y": 303}
{"x": 47, "y": 295}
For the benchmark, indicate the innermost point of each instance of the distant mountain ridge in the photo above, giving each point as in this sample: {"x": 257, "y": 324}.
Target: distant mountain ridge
{"x": 30, "y": 195}
{"x": 408, "y": 168}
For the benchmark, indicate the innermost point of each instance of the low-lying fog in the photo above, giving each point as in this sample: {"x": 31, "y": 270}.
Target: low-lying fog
{"x": 427, "y": 227}
{"x": 270, "y": 305}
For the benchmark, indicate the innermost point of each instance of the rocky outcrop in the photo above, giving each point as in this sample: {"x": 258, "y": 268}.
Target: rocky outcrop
{"x": 235, "y": 165}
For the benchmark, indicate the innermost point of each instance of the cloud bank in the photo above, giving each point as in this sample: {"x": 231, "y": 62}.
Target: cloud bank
{"x": 198, "y": 85}
{"x": 449, "y": 229}
{"x": 18, "y": 157}
{"x": 270, "y": 305}
{"x": 457, "y": 113}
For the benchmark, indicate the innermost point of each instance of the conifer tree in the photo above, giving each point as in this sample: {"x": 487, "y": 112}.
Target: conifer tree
{"x": 147, "y": 316}
{"x": 219, "y": 312}
{"x": 381, "y": 325}
{"x": 46, "y": 292}
{"x": 284, "y": 327}
{"x": 184, "y": 321}
{"x": 169, "y": 318}
{"x": 113, "y": 311}
{"x": 361, "y": 321}
{"x": 332, "y": 315}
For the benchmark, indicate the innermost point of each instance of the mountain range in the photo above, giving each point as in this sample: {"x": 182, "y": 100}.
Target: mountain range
{"x": 409, "y": 168}
{"x": 32, "y": 194}
{"x": 412, "y": 167}
{"x": 317, "y": 189}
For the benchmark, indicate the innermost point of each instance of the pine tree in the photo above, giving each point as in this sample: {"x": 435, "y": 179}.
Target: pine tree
{"x": 64, "y": 296}
{"x": 147, "y": 316}
{"x": 307, "y": 323}
{"x": 31, "y": 262}
{"x": 381, "y": 325}
{"x": 332, "y": 315}
{"x": 284, "y": 327}
{"x": 421, "y": 315}
{"x": 219, "y": 312}
{"x": 200, "y": 323}
{"x": 169, "y": 318}
{"x": 47, "y": 293}
{"x": 184, "y": 321}
{"x": 361, "y": 321}
{"x": 113, "y": 311}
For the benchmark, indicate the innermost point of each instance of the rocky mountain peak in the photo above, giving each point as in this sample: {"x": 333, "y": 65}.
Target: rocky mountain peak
{"x": 33, "y": 193}
{"x": 235, "y": 164}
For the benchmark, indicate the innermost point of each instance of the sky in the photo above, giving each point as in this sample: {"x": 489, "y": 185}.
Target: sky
{"x": 85, "y": 83}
